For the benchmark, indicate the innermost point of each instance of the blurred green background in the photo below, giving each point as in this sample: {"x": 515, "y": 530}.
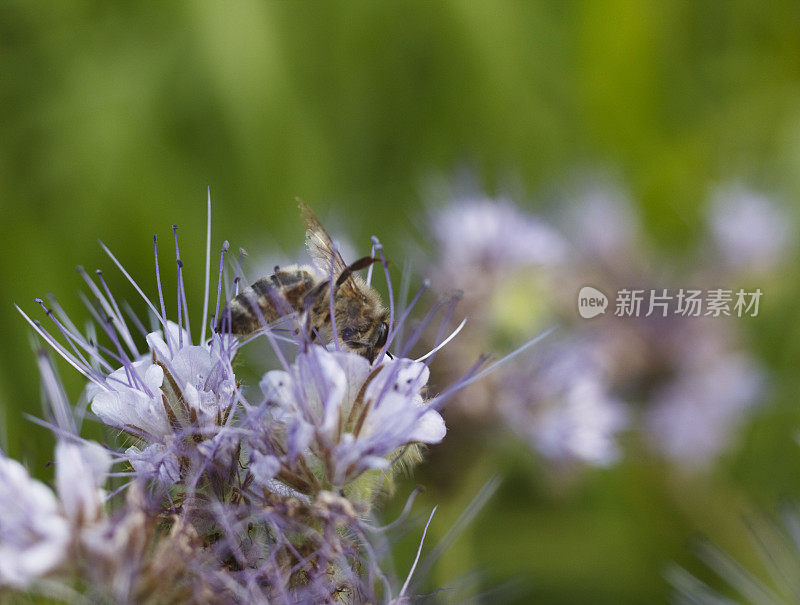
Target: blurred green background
{"x": 115, "y": 118}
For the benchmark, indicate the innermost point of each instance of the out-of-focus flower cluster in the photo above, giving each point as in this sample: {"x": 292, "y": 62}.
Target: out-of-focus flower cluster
{"x": 683, "y": 383}
{"x": 214, "y": 490}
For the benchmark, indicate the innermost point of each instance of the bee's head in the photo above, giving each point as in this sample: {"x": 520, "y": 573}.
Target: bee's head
{"x": 367, "y": 340}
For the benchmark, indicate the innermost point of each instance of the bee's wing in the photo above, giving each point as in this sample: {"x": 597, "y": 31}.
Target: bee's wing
{"x": 320, "y": 247}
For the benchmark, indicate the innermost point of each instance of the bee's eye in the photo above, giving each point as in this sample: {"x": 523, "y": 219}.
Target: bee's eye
{"x": 383, "y": 332}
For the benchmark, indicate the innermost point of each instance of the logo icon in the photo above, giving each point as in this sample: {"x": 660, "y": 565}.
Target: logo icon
{"x": 591, "y": 302}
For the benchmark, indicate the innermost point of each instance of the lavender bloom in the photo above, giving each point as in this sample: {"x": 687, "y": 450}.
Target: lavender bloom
{"x": 690, "y": 384}
{"x": 513, "y": 266}
{"x": 693, "y": 417}
{"x": 338, "y": 409}
{"x": 34, "y": 535}
{"x": 36, "y": 527}
{"x": 482, "y": 234}
{"x": 226, "y": 500}
{"x": 172, "y": 398}
{"x": 602, "y": 223}
{"x": 81, "y": 471}
{"x": 563, "y": 406}
{"x": 134, "y": 404}
{"x": 182, "y": 393}
{"x": 505, "y": 266}
{"x": 750, "y": 230}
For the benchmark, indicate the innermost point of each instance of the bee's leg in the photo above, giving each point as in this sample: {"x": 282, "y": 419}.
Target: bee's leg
{"x": 259, "y": 314}
{"x": 312, "y": 296}
{"x": 309, "y": 300}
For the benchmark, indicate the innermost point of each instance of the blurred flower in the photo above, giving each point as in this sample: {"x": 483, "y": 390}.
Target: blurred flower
{"x": 81, "y": 471}
{"x": 692, "y": 418}
{"x": 479, "y": 235}
{"x": 684, "y": 383}
{"x": 503, "y": 262}
{"x": 601, "y": 223}
{"x": 563, "y": 405}
{"x": 751, "y": 231}
{"x": 34, "y": 535}
{"x": 36, "y": 527}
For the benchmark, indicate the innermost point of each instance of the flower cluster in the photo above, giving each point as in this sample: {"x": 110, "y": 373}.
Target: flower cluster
{"x": 220, "y": 491}
{"x": 684, "y": 384}
{"x": 340, "y": 417}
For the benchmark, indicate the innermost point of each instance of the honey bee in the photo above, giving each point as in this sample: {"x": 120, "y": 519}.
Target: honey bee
{"x": 360, "y": 317}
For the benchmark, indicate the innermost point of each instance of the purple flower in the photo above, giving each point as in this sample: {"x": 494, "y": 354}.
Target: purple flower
{"x": 481, "y": 234}
{"x": 601, "y": 222}
{"x": 34, "y": 534}
{"x": 178, "y": 387}
{"x": 177, "y": 394}
{"x": 338, "y": 409}
{"x": 36, "y": 527}
{"x": 749, "y": 229}
{"x": 227, "y": 499}
{"x": 564, "y": 406}
{"x": 694, "y": 416}
{"x": 81, "y": 471}
{"x": 133, "y": 404}
{"x": 171, "y": 397}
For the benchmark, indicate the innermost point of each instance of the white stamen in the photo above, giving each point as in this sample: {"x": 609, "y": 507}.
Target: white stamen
{"x": 419, "y": 552}
{"x": 444, "y": 342}
{"x": 208, "y": 269}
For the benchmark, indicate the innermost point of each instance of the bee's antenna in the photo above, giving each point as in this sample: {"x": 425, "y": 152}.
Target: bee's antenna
{"x": 361, "y": 263}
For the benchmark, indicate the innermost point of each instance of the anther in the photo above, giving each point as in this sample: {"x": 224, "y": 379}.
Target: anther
{"x": 40, "y": 302}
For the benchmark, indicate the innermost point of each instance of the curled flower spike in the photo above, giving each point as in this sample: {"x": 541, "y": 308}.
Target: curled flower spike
{"x": 170, "y": 399}
{"x": 233, "y": 493}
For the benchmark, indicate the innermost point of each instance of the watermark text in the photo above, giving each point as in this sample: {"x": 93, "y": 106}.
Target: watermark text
{"x": 662, "y": 302}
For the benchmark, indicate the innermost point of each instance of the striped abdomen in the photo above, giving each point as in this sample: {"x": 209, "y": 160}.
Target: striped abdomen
{"x": 266, "y": 301}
